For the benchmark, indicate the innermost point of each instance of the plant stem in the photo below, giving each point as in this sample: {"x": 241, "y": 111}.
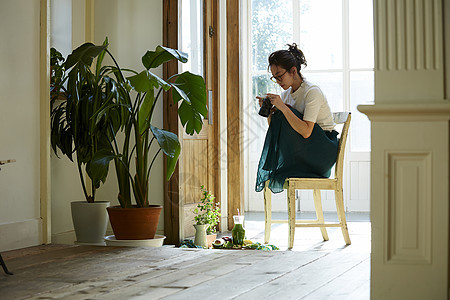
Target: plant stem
{"x": 116, "y": 146}
{"x": 80, "y": 172}
{"x": 154, "y": 105}
{"x": 117, "y": 65}
{"x": 150, "y": 144}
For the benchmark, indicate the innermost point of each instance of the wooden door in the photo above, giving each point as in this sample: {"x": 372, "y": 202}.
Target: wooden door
{"x": 199, "y": 159}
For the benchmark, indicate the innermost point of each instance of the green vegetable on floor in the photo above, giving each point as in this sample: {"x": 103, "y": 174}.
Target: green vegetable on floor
{"x": 226, "y": 243}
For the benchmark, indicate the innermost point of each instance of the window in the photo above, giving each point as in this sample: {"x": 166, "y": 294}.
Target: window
{"x": 336, "y": 37}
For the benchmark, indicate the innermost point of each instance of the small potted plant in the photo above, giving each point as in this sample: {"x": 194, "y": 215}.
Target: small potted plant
{"x": 207, "y": 217}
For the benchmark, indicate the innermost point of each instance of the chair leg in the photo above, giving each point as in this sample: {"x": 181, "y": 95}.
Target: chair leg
{"x": 291, "y": 214}
{"x": 341, "y": 215}
{"x": 319, "y": 213}
{"x": 267, "y": 213}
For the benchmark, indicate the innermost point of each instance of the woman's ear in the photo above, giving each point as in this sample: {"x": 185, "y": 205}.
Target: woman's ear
{"x": 293, "y": 70}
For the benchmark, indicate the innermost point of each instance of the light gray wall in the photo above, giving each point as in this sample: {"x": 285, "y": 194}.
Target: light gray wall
{"x": 20, "y": 224}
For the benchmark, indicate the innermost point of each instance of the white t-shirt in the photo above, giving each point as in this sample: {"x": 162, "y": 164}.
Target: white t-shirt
{"x": 312, "y": 103}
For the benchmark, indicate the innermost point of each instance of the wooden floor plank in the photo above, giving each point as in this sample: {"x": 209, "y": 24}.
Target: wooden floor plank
{"x": 258, "y": 273}
{"x": 74, "y": 291}
{"x": 355, "y": 279}
{"x": 301, "y": 281}
{"x": 141, "y": 292}
{"x": 313, "y": 270}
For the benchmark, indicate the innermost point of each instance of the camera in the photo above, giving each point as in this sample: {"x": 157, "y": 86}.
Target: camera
{"x": 265, "y": 107}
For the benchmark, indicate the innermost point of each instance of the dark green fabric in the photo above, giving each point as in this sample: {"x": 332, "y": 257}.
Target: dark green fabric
{"x": 287, "y": 154}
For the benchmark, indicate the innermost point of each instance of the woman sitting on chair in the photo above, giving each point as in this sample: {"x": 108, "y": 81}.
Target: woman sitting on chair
{"x": 301, "y": 140}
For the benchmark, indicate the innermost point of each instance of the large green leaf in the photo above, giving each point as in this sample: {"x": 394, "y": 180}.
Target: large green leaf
{"x": 85, "y": 54}
{"x": 172, "y": 162}
{"x": 97, "y": 167}
{"x": 192, "y": 90}
{"x": 168, "y": 141}
{"x": 153, "y": 59}
{"x": 146, "y": 81}
{"x": 141, "y": 82}
{"x": 190, "y": 119}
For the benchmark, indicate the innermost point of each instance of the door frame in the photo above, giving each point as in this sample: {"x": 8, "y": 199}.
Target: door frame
{"x": 235, "y": 158}
{"x": 172, "y": 213}
{"x": 45, "y": 168}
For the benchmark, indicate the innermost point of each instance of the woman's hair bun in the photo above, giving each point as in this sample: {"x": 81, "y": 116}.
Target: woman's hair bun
{"x": 297, "y": 53}
{"x": 293, "y": 57}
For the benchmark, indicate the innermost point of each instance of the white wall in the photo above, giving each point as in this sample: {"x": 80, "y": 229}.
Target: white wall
{"x": 20, "y": 224}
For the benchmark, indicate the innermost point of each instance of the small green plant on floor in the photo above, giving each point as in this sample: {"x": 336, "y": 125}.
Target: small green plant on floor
{"x": 207, "y": 212}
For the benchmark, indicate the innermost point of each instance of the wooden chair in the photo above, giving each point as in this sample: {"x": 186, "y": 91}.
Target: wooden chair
{"x": 315, "y": 184}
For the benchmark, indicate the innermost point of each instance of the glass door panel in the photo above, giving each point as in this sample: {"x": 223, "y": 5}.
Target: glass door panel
{"x": 361, "y": 44}
{"x": 361, "y": 92}
{"x": 321, "y": 33}
{"x": 191, "y": 35}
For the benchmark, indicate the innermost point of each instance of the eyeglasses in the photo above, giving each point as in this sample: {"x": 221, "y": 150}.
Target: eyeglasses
{"x": 278, "y": 78}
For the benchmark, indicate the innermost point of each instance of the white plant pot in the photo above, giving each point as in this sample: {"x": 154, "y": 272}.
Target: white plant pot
{"x": 155, "y": 242}
{"x": 90, "y": 221}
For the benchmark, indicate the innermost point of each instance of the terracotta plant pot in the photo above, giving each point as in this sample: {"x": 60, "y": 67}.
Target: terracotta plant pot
{"x": 134, "y": 223}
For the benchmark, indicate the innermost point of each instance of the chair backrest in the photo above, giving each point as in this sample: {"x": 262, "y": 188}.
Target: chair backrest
{"x": 341, "y": 118}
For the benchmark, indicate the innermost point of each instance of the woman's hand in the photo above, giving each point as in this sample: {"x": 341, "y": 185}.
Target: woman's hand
{"x": 304, "y": 128}
{"x": 260, "y": 99}
{"x": 276, "y": 101}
